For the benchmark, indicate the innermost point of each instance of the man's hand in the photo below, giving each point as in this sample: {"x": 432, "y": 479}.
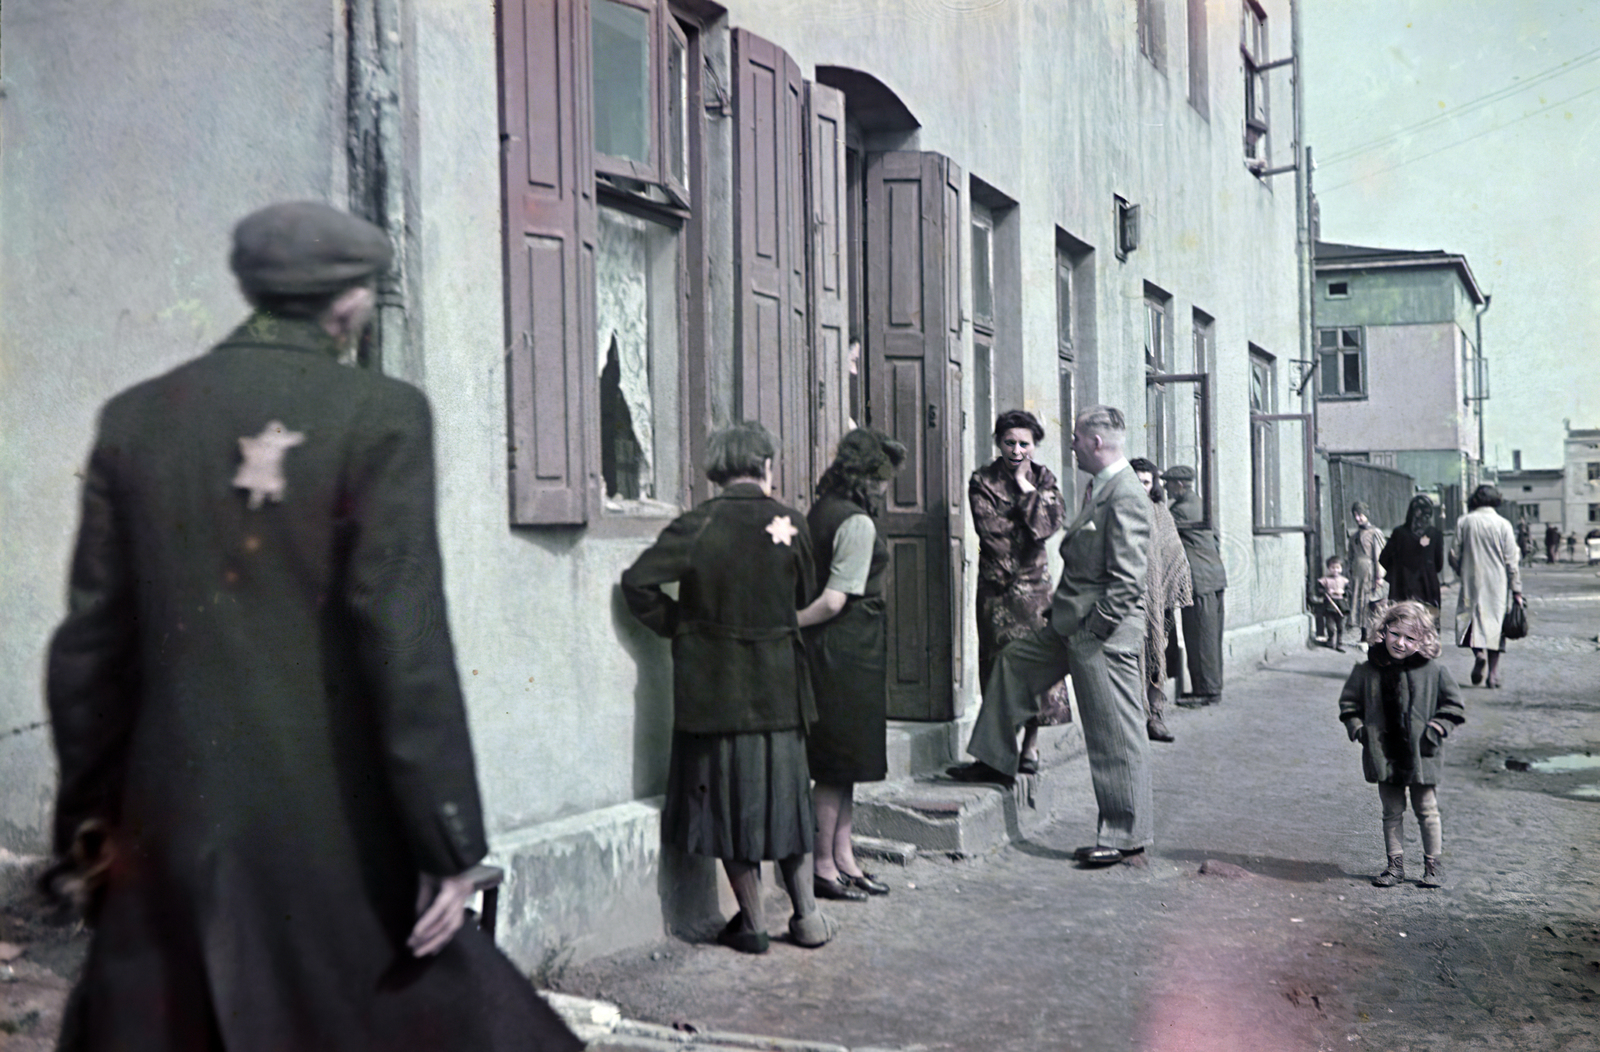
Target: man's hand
{"x": 442, "y": 903}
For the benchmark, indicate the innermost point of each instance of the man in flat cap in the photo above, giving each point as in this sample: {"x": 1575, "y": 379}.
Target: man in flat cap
{"x": 265, "y": 771}
{"x": 1202, "y": 621}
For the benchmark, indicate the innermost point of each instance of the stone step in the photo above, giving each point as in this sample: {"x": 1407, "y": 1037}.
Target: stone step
{"x": 937, "y": 814}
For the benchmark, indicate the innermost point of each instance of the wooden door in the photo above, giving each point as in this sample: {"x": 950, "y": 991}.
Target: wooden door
{"x": 829, "y": 304}
{"x": 913, "y": 354}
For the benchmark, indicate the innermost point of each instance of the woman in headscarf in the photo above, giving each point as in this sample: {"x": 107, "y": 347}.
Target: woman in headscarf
{"x": 848, "y": 643}
{"x": 738, "y": 788}
{"x": 1484, "y": 555}
{"x": 1362, "y": 563}
{"x": 1167, "y": 586}
{"x": 1016, "y": 507}
{"x": 1414, "y": 557}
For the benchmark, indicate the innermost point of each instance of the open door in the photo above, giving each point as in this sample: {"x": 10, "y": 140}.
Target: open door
{"x": 913, "y": 352}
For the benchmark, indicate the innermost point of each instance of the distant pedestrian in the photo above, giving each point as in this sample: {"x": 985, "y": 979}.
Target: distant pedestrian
{"x": 1572, "y": 547}
{"x": 1364, "y": 551}
{"x": 1202, "y": 620}
{"x": 847, "y": 638}
{"x": 1401, "y": 704}
{"x": 1552, "y": 542}
{"x": 1414, "y": 557}
{"x": 255, "y": 702}
{"x": 1016, "y": 507}
{"x": 738, "y": 788}
{"x": 1484, "y": 555}
{"x": 1168, "y": 587}
{"x": 1334, "y": 589}
{"x": 1524, "y": 538}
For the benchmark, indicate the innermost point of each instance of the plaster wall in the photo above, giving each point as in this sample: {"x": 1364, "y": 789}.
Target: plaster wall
{"x": 1414, "y": 395}
{"x": 136, "y": 133}
{"x": 1398, "y": 295}
{"x": 1582, "y": 493}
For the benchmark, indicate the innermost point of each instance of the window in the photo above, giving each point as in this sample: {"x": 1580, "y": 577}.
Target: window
{"x": 1594, "y": 513}
{"x": 1254, "y": 46}
{"x": 1529, "y": 512}
{"x": 1594, "y": 470}
{"x": 640, "y": 90}
{"x": 1074, "y": 336}
{"x": 1177, "y": 395}
{"x": 1202, "y": 328}
{"x": 1342, "y": 361}
{"x": 983, "y": 330}
{"x": 1264, "y": 466}
{"x": 1338, "y": 290}
{"x": 1199, "y": 59}
{"x": 1159, "y": 398}
{"x": 1127, "y": 220}
{"x": 1157, "y": 338}
{"x": 1152, "y": 31}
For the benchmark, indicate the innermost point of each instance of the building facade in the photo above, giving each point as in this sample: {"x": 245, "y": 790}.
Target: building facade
{"x": 1400, "y": 374}
{"x": 1581, "y": 484}
{"x": 622, "y": 224}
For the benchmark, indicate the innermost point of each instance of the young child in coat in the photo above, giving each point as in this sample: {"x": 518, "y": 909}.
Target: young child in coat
{"x": 1334, "y": 586}
{"x": 1400, "y": 704}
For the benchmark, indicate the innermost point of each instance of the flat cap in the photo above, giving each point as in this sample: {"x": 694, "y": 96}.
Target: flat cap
{"x": 305, "y": 248}
{"x": 1178, "y": 473}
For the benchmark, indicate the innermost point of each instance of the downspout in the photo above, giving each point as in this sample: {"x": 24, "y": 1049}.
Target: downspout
{"x": 375, "y": 145}
{"x": 1480, "y": 375}
{"x": 1305, "y": 247}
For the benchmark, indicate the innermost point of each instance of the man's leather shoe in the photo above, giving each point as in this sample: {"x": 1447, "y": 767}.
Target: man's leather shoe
{"x": 865, "y": 882}
{"x": 836, "y": 889}
{"x": 1156, "y": 729}
{"x": 1097, "y": 855}
{"x": 978, "y": 771}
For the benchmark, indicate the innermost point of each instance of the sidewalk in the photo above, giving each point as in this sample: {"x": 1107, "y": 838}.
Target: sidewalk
{"x": 1253, "y": 927}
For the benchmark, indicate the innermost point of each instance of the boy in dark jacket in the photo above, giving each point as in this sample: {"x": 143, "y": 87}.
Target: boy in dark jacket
{"x": 1401, "y": 704}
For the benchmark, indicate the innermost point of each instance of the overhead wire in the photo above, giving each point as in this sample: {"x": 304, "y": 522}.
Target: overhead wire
{"x": 1472, "y": 104}
{"x": 1458, "y": 142}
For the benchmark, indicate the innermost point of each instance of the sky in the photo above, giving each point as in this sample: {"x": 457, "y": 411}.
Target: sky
{"x": 1473, "y": 126}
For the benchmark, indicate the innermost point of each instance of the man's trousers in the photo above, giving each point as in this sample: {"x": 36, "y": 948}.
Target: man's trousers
{"x": 1202, "y": 638}
{"x": 1110, "y": 692}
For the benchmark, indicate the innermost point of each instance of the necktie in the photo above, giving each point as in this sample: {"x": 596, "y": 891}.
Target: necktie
{"x": 1088, "y": 492}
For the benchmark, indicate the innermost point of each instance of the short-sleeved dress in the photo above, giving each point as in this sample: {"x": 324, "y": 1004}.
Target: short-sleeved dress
{"x": 849, "y": 652}
{"x": 1364, "y": 553}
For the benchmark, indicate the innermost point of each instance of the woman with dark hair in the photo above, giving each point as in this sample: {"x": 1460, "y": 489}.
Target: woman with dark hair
{"x": 1484, "y": 555}
{"x": 1414, "y": 557}
{"x": 1016, "y": 507}
{"x": 1364, "y": 563}
{"x": 738, "y": 788}
{"x": 846, "y": 636}
{"x": 1167, "y": 587}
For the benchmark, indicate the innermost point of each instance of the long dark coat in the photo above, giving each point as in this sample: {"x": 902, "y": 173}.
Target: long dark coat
{"x": 255, "y": 687}
{"x": 1413, "y": 563}
{"x": 744, "y": 569}
{"x": 1397, "y": 745}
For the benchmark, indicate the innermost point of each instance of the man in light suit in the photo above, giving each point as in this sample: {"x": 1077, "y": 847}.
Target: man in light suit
{"x": 1095, "y": 632}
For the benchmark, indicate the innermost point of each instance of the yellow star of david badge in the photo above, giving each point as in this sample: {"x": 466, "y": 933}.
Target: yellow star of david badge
{"x": 262, "y": 470}
{"x": 782, "y": 529}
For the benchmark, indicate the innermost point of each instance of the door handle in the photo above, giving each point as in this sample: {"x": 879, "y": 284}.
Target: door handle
{"x": 933, "y": 416}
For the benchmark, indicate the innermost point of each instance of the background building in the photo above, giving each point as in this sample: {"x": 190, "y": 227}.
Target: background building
{"x": 1581, "y": 496}
{"x": 624, "y": 223}
{"x": 1399, "y": 369}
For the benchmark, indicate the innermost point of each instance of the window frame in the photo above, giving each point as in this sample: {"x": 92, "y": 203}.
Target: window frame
{"x": 1340, "y": 351}
{"x": 1266, "y": 452}
{"x": 1205, "y": 438}
{"x": 1254, "y": 46}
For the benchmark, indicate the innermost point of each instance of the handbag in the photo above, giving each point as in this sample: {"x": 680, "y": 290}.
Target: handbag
{"x": 1515, "y": 624}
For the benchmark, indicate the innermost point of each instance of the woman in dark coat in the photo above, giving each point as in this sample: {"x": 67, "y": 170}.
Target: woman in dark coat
{"x": 845, "y": 630}
{"x": 738, "y": 788}
{"x": 1414, "y": 557}
{"x": 1016, "y": 507}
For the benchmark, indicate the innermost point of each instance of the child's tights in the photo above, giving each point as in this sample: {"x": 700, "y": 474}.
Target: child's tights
{"x": 1425, "y": 802}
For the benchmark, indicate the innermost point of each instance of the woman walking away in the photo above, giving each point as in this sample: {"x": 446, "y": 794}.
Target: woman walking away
{"x": 848, "y": 644}
{"x": 737, "y": 786}
{"x": 1401, "y": 704}
{"x": 1484, "y": 555}
{"x": 1016, "y": 507}
{"x": 1167, "y": 587}
{"x": 1364, "y": 564}
{"x": 1414, "y": 557}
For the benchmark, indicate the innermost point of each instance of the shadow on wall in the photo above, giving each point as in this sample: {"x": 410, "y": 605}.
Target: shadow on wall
{"x": 686, "y": 884}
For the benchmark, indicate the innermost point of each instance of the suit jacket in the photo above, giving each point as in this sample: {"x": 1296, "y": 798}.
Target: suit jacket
{"x": 255, "y": 686}
{"x": 744, "y": 569}
{"x": 1106, "y": 555}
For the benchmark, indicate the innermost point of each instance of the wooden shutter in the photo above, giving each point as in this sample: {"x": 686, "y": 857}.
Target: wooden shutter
{"x": 771, "y": 375}
{"x": 829, "y": 272}
{"x": 548, "y": 178}
{"x": 914, "y": 352}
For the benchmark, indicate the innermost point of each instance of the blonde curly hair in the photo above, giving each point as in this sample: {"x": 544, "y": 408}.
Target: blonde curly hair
{"x": 1413, "y": 615}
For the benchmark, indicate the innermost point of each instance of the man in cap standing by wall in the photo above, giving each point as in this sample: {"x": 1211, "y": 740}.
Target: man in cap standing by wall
{"x": 1202, "y": 621}
{"x": 260, "y": 731}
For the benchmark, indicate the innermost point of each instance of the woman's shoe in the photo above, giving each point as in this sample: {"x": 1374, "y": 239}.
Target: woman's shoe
{"x": 1028, "y": 764}
{"x": 812, "y": 930}
{"x": 736, "y": 937}
{"x": 1477, "y": 671}
{"x": 865, "y": 882}
{"x": 836, "y": 889}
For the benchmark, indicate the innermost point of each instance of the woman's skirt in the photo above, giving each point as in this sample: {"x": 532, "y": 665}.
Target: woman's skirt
{"x": 849, "y": 663}
{"x": 744, "y": 797}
